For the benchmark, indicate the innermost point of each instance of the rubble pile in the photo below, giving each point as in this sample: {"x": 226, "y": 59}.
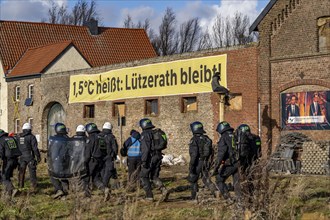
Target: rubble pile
{"x": 315, "y": 157}
{"x": 294, "y": 140}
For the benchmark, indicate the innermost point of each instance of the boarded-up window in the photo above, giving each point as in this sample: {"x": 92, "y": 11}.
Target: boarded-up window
{"x": 89, "y": 111}
{"x": 118, "y": 109}
{"x": 188, "y": 104}
{"x": 151, "y": 107}
{"x": 324, "y": 34}
{"x": 236, "y": 103}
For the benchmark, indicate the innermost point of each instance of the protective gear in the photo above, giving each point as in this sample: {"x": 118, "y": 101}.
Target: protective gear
{"x": 28, "y": 145}
{"x": 91, "y": 127}
{"x": 197, "y": 128}
{"x": 26, "y": 126}
{"x": 66, "y": 157}
{"x": 244, "y": 128}
{"x": 80, "y": 128}
{"x": 60, "y": 128}
{"x": 107, "y": 125}
{"x": 223, "y": 126}
{"x": 146, "y": 123}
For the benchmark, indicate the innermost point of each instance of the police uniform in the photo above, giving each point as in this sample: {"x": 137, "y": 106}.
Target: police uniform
{"x": 28, "y": 145}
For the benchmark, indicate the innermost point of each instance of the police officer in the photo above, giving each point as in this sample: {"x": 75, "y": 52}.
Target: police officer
{"x": 95, "y": 160}
{"x": 9, "y": 153}
{"x": 151, "y": 161}
{"x": 83, "y": 182}
{"x": 200, "y": 150}
{"x": 28, "y": 145}
{"x": 109, "y": 148}
{"x": 228, "y": 160}
{"x": 61, "y": 186}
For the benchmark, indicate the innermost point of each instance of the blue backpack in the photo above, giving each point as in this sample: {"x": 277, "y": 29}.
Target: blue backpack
{"x": 134, "y": 150}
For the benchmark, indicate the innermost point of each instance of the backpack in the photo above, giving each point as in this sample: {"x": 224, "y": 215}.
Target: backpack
{"x": 102, "y": 144}
{"x": 159, "y": 139}
{"x": 243, "y": 144}
{"x": 134, "y": 150}
{"x": 205, "y": 147}
{"x": 11, "y": 148}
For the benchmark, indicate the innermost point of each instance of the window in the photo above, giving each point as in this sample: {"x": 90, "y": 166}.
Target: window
{"x": 17, "y": 93}
{"x": 89, "y": 111}
{"x": 17, "y": 126}
{"x": 151, "y": 107}
{"x": 236, "y": 103}
{"x": 30, "y": 120}
{"x": 189, "y": 104}
{"x": 324, "y": 34}
{"x": 118, "y": 109}
{"x": 30, "y": 91}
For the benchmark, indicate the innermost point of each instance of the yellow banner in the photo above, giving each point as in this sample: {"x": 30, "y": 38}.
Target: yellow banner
{"x": 161, "y": 79}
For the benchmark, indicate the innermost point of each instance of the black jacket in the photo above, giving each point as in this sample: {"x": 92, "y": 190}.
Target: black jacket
{"x": 28, "y": 145}
{"x": 111, "y": 143}
{"x": 194, "y": 152}
{"x": 146, "y": 147}
{"x": 225, "y": 148}
{"x": 5, "y": 153}
{"x": 92, "y": 146}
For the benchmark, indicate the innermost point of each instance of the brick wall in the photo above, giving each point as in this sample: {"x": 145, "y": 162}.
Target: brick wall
{"x": 54, "y": 87}
{"x": 288, "y": 47}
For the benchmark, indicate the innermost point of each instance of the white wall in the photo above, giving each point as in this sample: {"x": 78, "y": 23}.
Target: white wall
{"x": 70, "y": 60}
{"x": 3, "y": 100}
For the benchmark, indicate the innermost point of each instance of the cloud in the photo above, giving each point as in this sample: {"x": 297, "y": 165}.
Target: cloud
{"x": 30, "y": 10}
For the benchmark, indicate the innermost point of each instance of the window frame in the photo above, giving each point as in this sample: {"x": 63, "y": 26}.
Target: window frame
{"x": 30, "y": 121}
{"x": 17, "y": 93}
{"x": 17, "y": 125}
{"x": 30, "y": 88}
{"x": 88, "y": 108}
{"x": 146, "y": 100}
{"x": 182, "y": 104}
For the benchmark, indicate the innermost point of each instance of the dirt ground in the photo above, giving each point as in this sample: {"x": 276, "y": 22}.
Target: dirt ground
{"x": 286, "y": 197}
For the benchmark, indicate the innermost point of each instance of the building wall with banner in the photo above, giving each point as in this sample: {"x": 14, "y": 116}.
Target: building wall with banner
{"x": 172, "y": 110}
{"x": 294, "y": 60}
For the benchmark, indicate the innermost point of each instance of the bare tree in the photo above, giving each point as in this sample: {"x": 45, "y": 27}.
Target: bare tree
{"x": 205, "y": 41}
{"x": 218, "y": 30}
{"x": 240, "y": 26}
{"x": 128, "y": 22}
{"x": 188, "y": 35}
{"x": 82, "y": 12}
{"x": 167, "y": 34}
{"x": 228, "y": 33}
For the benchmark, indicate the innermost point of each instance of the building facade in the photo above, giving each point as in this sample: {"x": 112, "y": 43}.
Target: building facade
{"x": 294, "y": 60}
{"x": 172, "y": 113}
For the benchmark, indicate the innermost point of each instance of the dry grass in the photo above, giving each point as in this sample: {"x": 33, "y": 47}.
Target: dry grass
{"x": 275, "y": 197}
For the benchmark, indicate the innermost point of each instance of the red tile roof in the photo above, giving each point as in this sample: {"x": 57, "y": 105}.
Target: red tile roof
{"x": 35, "y": 60}
{"x": 111, "y": 45}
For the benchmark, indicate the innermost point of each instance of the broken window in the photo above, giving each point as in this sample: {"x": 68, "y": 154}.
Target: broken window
{"x": 89, "y": 111}
{"x": 118, "y": 109}
{"x": 189, "y": 104}
{"x": 151, "y": 107}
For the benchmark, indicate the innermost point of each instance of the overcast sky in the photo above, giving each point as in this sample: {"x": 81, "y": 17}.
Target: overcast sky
{"x": 113, "y": 12}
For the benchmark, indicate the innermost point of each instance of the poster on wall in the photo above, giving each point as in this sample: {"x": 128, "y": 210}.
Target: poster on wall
{"x": 306, "y": 110}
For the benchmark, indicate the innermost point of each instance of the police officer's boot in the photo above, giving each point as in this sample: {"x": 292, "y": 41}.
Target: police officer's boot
{"x": 194, "y": 191}
{"x": 21, "y": 173}
{"x": 107, "y": 192}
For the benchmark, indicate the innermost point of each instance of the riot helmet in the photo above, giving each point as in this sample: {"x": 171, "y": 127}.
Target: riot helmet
{"x": 3, "y": 133}
{"x": 91, "y": 127}
{"x": 244, "y": 128}
{"x": 223, "y": 126}
{"x": 80, "y": 128}
{"x": 197, "y": 128}
{"x": 107, "y": 125}
{"x": 26, "y": 126}
{"x": 146, "y": 123}
{"x": 60, "y": 128}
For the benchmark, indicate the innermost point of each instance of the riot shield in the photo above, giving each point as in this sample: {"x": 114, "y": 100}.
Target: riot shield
{"x": 66, "y": 157}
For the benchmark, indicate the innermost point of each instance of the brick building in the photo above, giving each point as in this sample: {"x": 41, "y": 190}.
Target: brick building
{"x": 294, "y": 58}
{"x": 173, "y": 113}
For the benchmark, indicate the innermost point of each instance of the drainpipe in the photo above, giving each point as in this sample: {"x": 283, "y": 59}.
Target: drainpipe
{"x": 259, "y": 117}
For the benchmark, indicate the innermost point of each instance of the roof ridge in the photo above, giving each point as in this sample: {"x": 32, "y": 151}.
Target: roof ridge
{"x": 45, "y": 23}
{"x": 46, "y": 45}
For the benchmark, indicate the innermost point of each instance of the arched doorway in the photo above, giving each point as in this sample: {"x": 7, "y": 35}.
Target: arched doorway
{"x": 56, "y": 114}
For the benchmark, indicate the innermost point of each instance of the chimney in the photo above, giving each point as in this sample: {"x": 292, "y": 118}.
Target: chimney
{"x": 92, "y": 26}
